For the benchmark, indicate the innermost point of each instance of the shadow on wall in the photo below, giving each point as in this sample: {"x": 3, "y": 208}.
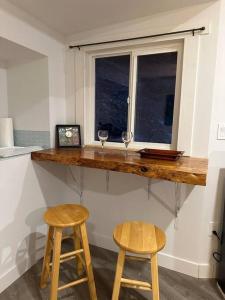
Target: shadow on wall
{"x": 22, "y": 234}
{"x": 89, "y": 186}
{"x": 120, "y": 196}
{"x": 47, "y": 184}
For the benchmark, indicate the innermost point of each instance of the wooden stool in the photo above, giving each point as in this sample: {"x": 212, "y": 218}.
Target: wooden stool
{"x": 138, "y": 238}
{"x": 59, "y": 218}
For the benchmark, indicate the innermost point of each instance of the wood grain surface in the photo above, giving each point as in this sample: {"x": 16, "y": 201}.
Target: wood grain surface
{"x": 139, "y": 237}
{"x": 66, "y": 215}
{"x": 189, "y": 170}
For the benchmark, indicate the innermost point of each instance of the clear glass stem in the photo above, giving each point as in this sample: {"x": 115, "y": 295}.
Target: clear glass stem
{"x": 126, "y": 145}
{"x": 102, "y": 142}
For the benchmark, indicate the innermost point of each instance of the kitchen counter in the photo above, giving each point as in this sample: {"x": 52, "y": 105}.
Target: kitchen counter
{"x": 189, "y": 170}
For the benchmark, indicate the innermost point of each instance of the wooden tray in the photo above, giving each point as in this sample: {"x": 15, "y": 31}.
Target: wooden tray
{"x": 161, "y": 154}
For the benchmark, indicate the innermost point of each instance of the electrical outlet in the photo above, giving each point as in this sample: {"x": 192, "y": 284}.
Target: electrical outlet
{"x": 221, "y": 131}
{"x": 213, "y": 226}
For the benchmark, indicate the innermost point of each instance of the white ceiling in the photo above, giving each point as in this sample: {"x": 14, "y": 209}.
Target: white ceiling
{"x": 12, "y": 54}
{"x": 67, "y": 17}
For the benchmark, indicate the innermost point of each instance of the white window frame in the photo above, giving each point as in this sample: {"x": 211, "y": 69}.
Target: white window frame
{"x": 157, "y": 50}
{"x": 180, "y": 46}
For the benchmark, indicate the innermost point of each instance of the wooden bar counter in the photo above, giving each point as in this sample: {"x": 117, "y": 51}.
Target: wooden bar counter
{"x": 185, "y": 170}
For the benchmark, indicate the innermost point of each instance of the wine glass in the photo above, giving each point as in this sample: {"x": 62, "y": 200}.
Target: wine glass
{"x": 103, "y": 136}
{"x": 127, "y": 138}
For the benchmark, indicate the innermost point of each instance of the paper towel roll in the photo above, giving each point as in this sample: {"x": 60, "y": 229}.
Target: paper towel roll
{"x": 6, "y": 132}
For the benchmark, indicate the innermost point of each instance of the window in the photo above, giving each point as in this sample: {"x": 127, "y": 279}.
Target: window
{"x": 111, "y": 94}
{"x": 137, "y": 91}
{"x": 155, "y": 94}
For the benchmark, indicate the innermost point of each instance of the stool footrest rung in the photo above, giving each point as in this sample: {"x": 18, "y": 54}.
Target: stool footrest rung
{"x": 67, "y": 259}
{"x": 65, "y": 237}
{"x": 136, "y": 284}
{"x": 137, "y": 258}
{"x": 73, "y": 283}
{"x": 72, "y": 253}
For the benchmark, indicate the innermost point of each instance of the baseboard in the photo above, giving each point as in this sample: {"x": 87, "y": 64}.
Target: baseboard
{"x": 165, "y": 260}
{"x": 18, "y": 270}
{"x": 185, "y": 266}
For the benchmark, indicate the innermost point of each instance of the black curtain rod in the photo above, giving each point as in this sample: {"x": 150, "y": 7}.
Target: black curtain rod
{"x": 193, "y": 30}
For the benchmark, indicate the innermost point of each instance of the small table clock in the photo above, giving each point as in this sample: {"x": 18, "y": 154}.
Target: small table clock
{"x": 68, "y": 136}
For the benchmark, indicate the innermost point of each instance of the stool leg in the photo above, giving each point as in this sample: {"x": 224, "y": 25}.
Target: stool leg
{"x": 47, "y": 257}
{"x": 119, "y": 273}
{"x": 56, "y": 263}
{"x": 77, "y": 245}
{"x": 155, "y": 276}
{"x": 91, "y": 282}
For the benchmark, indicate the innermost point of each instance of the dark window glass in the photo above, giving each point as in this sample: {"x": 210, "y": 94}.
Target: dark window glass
{"x": 111, "y": 93}
{"x": 156, "y": 80}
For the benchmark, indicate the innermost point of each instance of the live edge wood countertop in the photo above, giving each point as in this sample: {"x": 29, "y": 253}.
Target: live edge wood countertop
{"x": 189, "y": 170}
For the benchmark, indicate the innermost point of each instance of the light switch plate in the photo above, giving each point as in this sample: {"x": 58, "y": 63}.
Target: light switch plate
{"x": 221, "y": 131}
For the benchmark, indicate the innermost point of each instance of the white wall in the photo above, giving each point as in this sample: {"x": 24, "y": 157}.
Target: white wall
{"x": 26, "y": 189}
{"x": 35, "y": 186}
{"x": 215, "y": 191}
{"x": 18, "y": 31}
{"x": 28, "y": 95}
{"x": 195, "y": 16}
{"x": 189, "y": 246}
{"x": 3, "y": 94}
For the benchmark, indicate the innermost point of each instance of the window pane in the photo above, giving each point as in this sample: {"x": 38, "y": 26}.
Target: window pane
{"x": 156, "y": 80}
{"x": 111, "y": 92}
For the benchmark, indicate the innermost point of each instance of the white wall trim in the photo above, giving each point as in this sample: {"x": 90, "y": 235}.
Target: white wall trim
{"x": 189, "y": 69}
{"x": 140, "y": 48}
{"x": 185, "y": 266}
{"x": 24, "y": 264}
{"x": 188, "y": 94}
{"x": 165, "y": 260}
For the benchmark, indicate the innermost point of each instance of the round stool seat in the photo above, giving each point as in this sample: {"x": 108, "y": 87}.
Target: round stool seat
{"x": 66, "y": 215}
{"x": 139, "y": 237}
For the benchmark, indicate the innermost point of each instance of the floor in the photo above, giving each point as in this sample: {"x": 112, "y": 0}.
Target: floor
{"x": 173, "y": 285}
